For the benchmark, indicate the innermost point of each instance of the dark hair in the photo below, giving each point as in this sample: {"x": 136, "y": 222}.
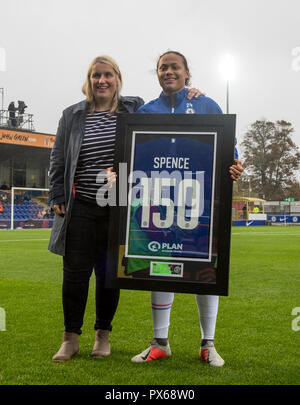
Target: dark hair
{"x": 187, "y": 80}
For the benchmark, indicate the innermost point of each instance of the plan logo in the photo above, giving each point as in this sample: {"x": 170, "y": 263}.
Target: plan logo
{"x": 172, "y": 246}
{"x": 154, "y": 246}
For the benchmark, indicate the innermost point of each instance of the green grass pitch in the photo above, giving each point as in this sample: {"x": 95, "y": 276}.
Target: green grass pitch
{"x": 254, "y": 329}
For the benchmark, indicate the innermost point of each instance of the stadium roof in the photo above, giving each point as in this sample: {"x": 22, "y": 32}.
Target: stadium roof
{"x": 248, "y": 199}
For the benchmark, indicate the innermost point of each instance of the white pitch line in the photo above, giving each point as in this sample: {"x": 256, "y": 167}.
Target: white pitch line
{"x": 21, "y": 240}
{"x": 265, "y": 233}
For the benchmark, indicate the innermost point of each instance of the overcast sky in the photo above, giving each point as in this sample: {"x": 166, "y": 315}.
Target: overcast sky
{"x": 46, "y": 47}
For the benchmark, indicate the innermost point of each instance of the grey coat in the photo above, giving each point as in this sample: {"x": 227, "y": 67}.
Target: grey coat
{"x": 63, "y": 163}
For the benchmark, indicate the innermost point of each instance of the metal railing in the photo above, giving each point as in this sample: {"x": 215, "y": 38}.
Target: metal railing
{"x": 16, "y": 121}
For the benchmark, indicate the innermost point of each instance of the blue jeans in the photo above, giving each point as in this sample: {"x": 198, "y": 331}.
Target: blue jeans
{"x": 86, "y": 250}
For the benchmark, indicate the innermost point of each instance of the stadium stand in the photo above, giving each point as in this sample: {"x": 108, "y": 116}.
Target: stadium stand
{"x": 30, "y": 207}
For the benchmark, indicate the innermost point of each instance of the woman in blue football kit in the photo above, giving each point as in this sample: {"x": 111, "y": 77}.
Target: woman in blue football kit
{"x": 173, "y": 75}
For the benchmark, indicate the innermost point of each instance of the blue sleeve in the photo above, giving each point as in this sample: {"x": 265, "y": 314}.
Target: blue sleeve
{"x": 236, "y": 155}
{"x": 209, "y": 106}
{"x": 141, "y": 110}
{"x": 219, "y": 109}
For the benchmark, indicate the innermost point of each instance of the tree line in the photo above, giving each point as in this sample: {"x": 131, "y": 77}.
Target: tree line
{"x": 271, "y": 160}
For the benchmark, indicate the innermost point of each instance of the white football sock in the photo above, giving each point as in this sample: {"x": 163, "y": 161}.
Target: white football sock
{"x": 208, "y": 311}
{"x": 161, "y": 304}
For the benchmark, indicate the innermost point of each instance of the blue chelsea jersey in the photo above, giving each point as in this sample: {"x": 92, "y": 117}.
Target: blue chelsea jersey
{"x": 162, "y": 105}
{"x": 200, "y": 105}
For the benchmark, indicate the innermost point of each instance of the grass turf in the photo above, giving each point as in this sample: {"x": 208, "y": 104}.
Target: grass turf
{"x": 254, "y": 329}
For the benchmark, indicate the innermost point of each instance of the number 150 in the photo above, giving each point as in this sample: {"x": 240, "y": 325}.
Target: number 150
{"x": 191, "y": 187}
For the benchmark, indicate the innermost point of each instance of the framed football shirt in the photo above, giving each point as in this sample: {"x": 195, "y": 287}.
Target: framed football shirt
{"x": 171, "y": 205}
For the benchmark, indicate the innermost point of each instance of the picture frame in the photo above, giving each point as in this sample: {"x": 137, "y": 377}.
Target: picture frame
{"x": 170, "y": 207}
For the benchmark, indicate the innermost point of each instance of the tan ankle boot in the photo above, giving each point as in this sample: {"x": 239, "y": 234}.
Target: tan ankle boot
{"x": 101, "y": 347}
{"x": 69, "y": 347}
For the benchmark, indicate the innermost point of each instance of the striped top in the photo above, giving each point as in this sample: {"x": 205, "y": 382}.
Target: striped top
{"x": 96, "y": 154}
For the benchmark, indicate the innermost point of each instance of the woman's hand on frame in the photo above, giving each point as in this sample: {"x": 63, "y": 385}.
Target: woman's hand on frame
{"x": 236, "y": 170}
{"x": 110, "y": 176}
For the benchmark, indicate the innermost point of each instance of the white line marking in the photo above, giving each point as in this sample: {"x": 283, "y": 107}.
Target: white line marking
{"x": 264, "y": 233}
{"x": 21, "y": 240}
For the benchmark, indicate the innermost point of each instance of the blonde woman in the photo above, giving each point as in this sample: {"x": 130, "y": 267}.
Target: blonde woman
{"x": 84, "y": 147}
